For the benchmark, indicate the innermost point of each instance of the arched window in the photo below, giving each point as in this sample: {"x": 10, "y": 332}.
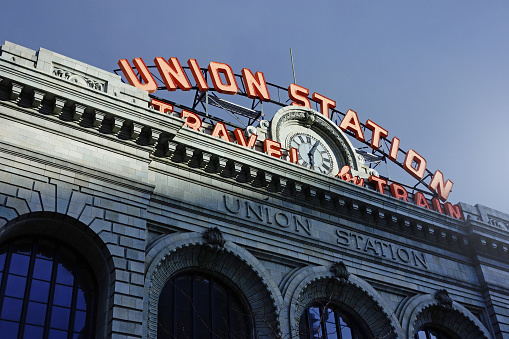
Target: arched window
{"x": 324, "y": 320}
{"x": 428, "y": 332}
{"x": 46, "y": 291}
{"x": 194, "y": 305}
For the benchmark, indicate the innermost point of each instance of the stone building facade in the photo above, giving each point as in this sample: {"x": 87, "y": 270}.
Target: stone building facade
{"x": 140, "y": 200}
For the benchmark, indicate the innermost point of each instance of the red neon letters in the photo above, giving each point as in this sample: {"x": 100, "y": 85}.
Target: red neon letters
{"x": 193, "y": 121}
{"x": 215, "y": 71}
{"x": 351, "y": 122}
{"x": 223, "y": 80}
{"x": 272, "y": 148}
{"x": 161, "y": 106}
{"x": 325, "y": 104}
{"x": 299, "y": 95}
{"x": 150, "y": 84}
{"x": 418, "y": 171}
{"x": 173, "y": 74}
{"x": 256, "y": 87}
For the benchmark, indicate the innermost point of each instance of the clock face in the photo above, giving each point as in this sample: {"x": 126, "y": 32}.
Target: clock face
{"x": 313, "y": 152}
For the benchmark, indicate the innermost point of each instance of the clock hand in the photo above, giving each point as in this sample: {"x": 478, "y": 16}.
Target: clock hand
{"x": 312, "y": 152}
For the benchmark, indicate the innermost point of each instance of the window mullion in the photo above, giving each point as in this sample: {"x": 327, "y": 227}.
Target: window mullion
{"x": 212, "y": 308}
{"x": 339, "y": 331}
{"x": 28, "y": 286}
{"x": 51, "y": 295}
{"x": 230, "y": 318}
{"x": 308, "y": 325}
{"x": 322, "y": 321}
{"x": 72, "y": 316}
{"x": 7, "y": 266}
{"x": 194, "y": 307}
{"x": 174, "y": 320}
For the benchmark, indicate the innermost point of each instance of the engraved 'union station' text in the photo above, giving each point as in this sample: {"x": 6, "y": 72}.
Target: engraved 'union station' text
{"x": 268, "y": 215}
{"x": 381, "y": 248}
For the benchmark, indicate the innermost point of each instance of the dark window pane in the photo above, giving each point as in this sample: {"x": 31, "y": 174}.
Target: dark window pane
{"x": 8, "y": 329}
{"x": 39, "y": 291}
{"x": 314, "y": 322}
{"x": 60, "y": 318}
{"x": 80, "y": 301}
{"x": 184, "y": 309}
{"x": 23, "y": 246}
{"x": 194, "y": 306}
{"x": 331, "y": 319}
{"x": 33, "y": 332}
{"x": 2, "y": 260}
{"x": 64, "y": 276}
{"x": 346, "y": 331}
{"x": 15, "y": 286}
{"x": 70, "y": 273}
{"x": 56, "y": 334}
{"x": 166, "y": 296}
{"x": 42, "y": 269}
{"x": 79, "y": 321}
{"x": 183, "y": 286}
{"x": 83, "y": 278}
{"x": 330, "y": 324}
{"x": 45, "y": 249}
{"x": 36, "y": 313}
{"x": 11, "y": 309}
{"x": 165, "y": 315}
{"x": 238, "y": 327}
{"x": 19, "y": 264}
{"x": 164, "y": 332}
{"x": 221, "y": 316}
{"x": 432, "y": 333}
{"x": 63, "y": 295}
{"x": 183, "y": 320}
{"x": 201, "y": 298}
{"x": 165, "y": 312}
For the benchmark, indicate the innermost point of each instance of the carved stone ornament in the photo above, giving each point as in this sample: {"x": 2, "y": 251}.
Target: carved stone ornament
{"x": 309, "y": 119}
{"x": 443, "y": 299}
{"x": 83, "y": 80}
{"x": 340, "y": 272}
{"x": 214, "y": 238}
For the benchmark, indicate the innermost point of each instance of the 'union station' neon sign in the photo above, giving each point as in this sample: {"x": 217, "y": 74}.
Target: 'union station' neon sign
{"x": 223, "y": 81}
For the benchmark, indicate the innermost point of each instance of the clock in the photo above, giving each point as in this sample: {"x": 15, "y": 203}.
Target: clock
{"x": 321, "y": 146}
{"x": 312, "y": 152}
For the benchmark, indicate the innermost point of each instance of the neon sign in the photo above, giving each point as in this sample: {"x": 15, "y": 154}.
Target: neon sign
{"x": 223, "y": 81}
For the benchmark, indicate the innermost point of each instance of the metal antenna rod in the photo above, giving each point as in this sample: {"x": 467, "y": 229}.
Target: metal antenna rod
{"x": 293, "y": 67}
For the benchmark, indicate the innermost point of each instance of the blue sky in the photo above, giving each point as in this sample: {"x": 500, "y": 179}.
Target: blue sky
{"x": 433, "y": 73}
